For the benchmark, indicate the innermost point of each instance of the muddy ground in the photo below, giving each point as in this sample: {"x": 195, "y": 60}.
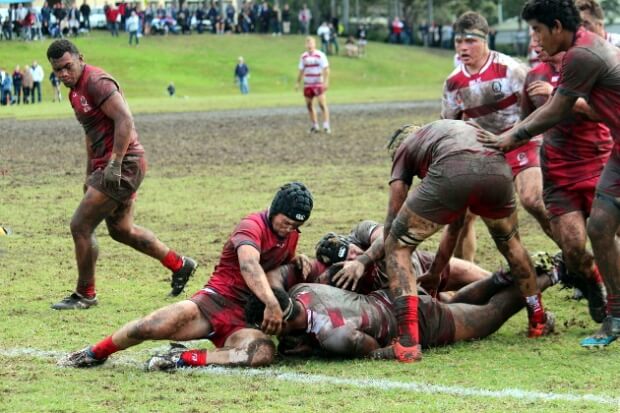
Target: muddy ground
{"x": 184, "y": 141}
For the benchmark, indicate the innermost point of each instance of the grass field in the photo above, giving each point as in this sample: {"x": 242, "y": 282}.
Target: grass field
{"x": 206, "y": 172}
{"x": 202, "y": 67}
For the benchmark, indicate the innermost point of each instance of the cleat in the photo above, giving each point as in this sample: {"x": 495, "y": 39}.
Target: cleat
{"x": 80, "y": 359}
{"x": 313, "y": 129}
{"x": 593, "y": 291}
{"x": 170, "y": 360}
{"x": 608, "y": 333}
{"x": 397, "y": 351}
{"x": 542, "y": 329}
{"x": 181, "y": 277}
{"x": 327, "y": 131}
{"x": 75, "y": 301}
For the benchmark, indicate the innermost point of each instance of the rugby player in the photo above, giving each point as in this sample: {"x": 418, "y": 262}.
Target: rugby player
{"x": 115, "y": 167}
{"x": 593, "y": 19}
{"x": 572, "y": 157}
{"x": 457, "y": 173}
{"x": 314, "y": 70}
{"x": 486, "y": 88}
{"x": 348, "y": 324}
{"x": 590, "y": 70}
{"x": 261, "y": 242}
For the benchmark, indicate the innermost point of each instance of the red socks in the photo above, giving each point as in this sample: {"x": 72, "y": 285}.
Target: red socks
{"x": 194, "y": 358}
{"x": 104, "y": 348}
{"x": 535, "y": 310}
{"x": 87, "y": 290}
{"x": 406, "y": 310}
{"x": 596, "y": 275}
{"x": 172, "y": 261}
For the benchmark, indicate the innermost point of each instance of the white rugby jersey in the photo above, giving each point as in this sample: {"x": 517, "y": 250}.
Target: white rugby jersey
{"x": 313, "y": 64}
{"x": 613, "y": 38}
{"x": 490, "y": 97}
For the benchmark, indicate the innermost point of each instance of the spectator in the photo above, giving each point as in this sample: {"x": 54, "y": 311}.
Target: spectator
{"x": 492, "y": 34}
{"x": 230, "y": 24}
{"x": 85, "y": 12}
{"x": 212, "y": 16}
{"x": 446, "y": 36}
{"x": 17, "y": 84}
{"x": 55, "y": 87}
{"x": 171, "y": 89}
{"x": 396, "y": 28}
{"x": 46, "y": 14}
{"x": 133, "y": 24}
{"x": 73, "y": 15}
{"x": 6, "y": 84}
{"x": 149, "y": 15}
{"x": 304, "y": 17}
{"x": 111, "y": 17}
{"x": 286, "y": 19}
{"x": 27, "y": 84}
{"x": 333, "y": 37}
{"x": 7, "y": 33}
{"x": 242, "y": 73}
{"x": 324, "y": 34}
{"x": 274, "y": 21}
{"x": 37, "y": 78}
{"x": 351, "y": 48}
{"x": 62, "y": 26}
{"x": 361, "y": 40}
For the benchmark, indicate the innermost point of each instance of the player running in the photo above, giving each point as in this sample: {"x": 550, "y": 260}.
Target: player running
{"x": 115, "y": 168}
{"x": 261, "y": 242}
{"x": 314, "y": 70}
{"x": 486, "y": 88}
{"x": 590, "y": 70}
{"x": 573, "y": 155}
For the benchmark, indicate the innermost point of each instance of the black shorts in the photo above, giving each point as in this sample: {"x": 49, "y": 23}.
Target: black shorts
{"x": 133, "y": 170}
{"x": 436, "y": 323}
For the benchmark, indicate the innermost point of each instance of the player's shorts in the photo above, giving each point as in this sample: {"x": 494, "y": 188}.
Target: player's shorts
{"x": 435, "y": 321}
{"x": 526, "y": 156}
{"x": 133, "y": 170}
{"x": 314, "y": 91}
{"x": 224, "y": 315}
{"x": 481, "y": 183}
{"x": 422, "y": 261}
{"x": 560, "y": 200}
{"x": 609, "y": 183}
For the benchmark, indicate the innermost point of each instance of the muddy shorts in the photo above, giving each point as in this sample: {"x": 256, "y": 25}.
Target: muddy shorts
{"x": 435, "y": 321}
{"x": 224, "y": 315}
{"x": 560, "y": 200}
{"x": 609, "y": 183}
{"x": 314, "y": 91}
{"x": 133, "y": 170}
{"x": 465, "y": 180}
{"x": 526, "y": 156}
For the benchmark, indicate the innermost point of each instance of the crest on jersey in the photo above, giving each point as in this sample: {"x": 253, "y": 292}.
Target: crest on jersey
{"x": 496, "y": 86}
{"x": 84, "y": 103}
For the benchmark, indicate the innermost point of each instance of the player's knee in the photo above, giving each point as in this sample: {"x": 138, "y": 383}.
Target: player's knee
{"x": 599, "y": 230}
{"x": 261, "y": 352}
{"x": 118, "y": 233}
{"x": 532, "y": 202}
{"x": 79, "y": 228}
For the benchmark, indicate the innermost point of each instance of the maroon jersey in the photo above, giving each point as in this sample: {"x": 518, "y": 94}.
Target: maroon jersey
{"x": 92, "y": 89}
{"x": 574, "y": 150}
{"x": 591, "y": 70}
{"x": 254, "y": 230}
{"x": 433, "y": 143}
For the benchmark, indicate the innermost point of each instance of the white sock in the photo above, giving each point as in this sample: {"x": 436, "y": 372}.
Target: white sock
{"x": 325, "y": 125}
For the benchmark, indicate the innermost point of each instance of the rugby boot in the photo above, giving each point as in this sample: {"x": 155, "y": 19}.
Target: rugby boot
{"x": 167, "y": 361}
{"x": 181, "y": 277}
{"x": 607, "y": 334}
{"x": 542, "y": 329}
{"x": 314, "y": 129}
{"x": 397, "y": 351}
{"x": 75, "y": 301}
{"x": 80, "y": 359}
{"x": 593, "y": 290}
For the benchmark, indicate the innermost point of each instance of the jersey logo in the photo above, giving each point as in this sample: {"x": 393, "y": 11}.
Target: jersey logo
{"x": 342, "y": 251}
{"x": 300, "y": 217}
{"x": 85, "y": 106}
{"x": 522, "y": 158}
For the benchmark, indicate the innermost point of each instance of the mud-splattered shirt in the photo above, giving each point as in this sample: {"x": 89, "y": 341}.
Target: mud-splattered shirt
{"x": 254, "y": 230}
{"x": 91, "y": 91}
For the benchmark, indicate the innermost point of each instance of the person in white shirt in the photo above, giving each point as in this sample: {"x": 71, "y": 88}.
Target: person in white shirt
{"x": 37, "y": 78}
{"x": 314, "y": 70}
{"x": 133, "y": 24}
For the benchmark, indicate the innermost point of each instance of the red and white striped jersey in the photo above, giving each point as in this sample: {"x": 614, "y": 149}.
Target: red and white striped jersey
{"x": 313, "y": 65}
{"x": 490, "y": 97}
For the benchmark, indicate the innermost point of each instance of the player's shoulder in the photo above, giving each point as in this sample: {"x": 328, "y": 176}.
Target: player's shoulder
{"x": 538, "y": 72}
{"x": 255, "y": 220}
{"x": 456, "y": 79}
{"x": 498, "y": 58}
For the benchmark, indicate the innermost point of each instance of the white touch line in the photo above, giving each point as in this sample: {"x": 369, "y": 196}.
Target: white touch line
{"x": 380, "y": 384}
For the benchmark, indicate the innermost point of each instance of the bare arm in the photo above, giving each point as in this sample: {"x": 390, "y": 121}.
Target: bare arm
{"x": 300, "y": 75}
{"x": 326, "y": 77}
{"x": 117, "y": 109}
{"x": 442, "y": 258}
{"x": 256, "y": 280}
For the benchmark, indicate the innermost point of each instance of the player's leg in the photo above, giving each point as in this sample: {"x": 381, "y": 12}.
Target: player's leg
{"x": 312, "y": 113}
{"x": 122, "y": 229}
{"x": 322, "y": 99}
{"x": 408, "y": 231}
{"x": 529, "y": 188}
{"x": 569, "y": 231}
{"x": 93, "y": 208}
{"x": 463, "y": 273}
{"x": 179, "y": 321}
{"x": 504, "y": 232}
{"x": 466, "y": 243}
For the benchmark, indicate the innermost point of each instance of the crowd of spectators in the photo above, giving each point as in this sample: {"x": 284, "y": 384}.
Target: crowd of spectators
{"x": 22, "y": 86}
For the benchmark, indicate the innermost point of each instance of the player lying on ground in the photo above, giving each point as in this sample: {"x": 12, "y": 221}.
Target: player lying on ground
{"x": 261, "y": 242}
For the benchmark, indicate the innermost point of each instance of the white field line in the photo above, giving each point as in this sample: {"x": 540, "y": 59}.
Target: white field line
{"x": 319, "y": 379}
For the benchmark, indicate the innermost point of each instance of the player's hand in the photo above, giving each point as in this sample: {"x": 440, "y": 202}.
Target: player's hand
{"x": 303, "y": 264}
{"x": 112, "y": 174}
{"x": 430, "y": 282}
{"x": 272, "y": 320}
{"x": 540, "y": 88}
{"x": 349, "y": 275}
{"x": 504, "y": 143}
